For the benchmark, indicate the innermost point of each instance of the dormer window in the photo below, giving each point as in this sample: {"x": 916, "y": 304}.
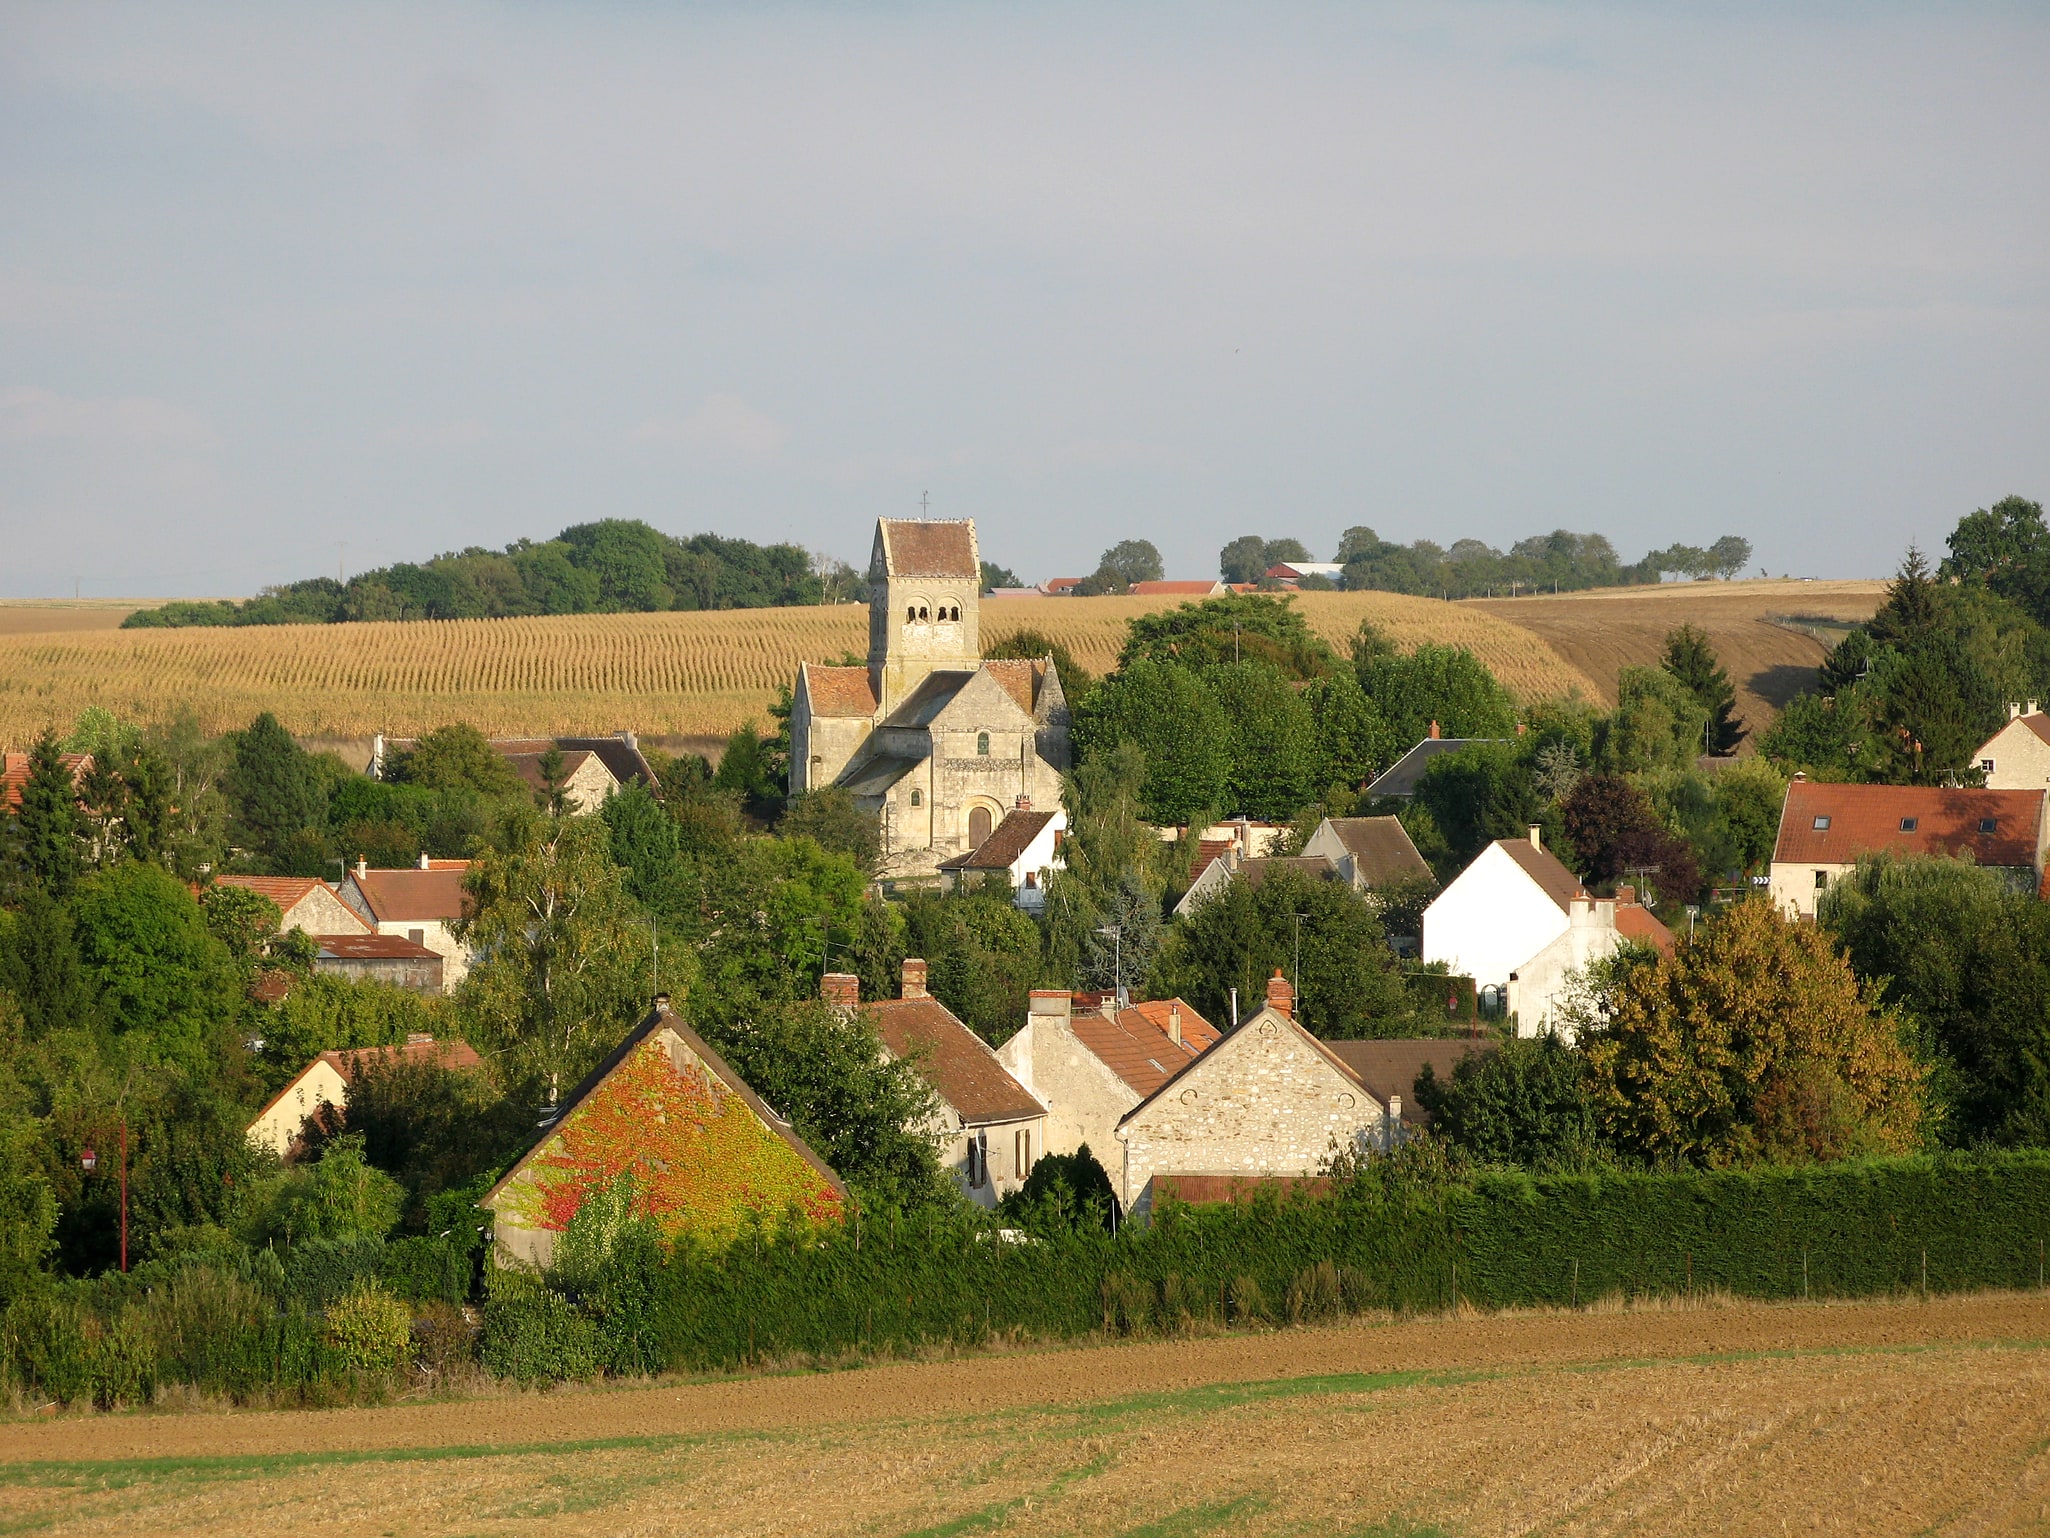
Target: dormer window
{"x": 1909, "y": 824}
{"x": 1822, "y": 825}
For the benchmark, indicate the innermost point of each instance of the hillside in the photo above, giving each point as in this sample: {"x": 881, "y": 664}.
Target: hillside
{"x": 701, "y": 674}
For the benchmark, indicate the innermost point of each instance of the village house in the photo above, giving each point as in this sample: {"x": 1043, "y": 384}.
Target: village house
{"x": 1400, "y": 778}
{"x": 1024, "y": 848}
{"x": 1089, "y": 1067}
{"x": 1268, "y": 1101}
{"x": 1390, "y": 1069}
{"x": 321, "y": 1088}
{"x": 1368, "y": 852}
{"x": 419, "y": 903}
{"x": 1230, "y": 866}
{"x": 1290, "y": 574}
{"x": 14, "y": 772}
{"x": 990, "y": 1128}
{"x": 1824, "y": 828}
{"x": 1518, "y": 922}
{"x": 1178, "y": 589}
{"x": 705, "y": 1154}
{"x": 2017, "y": 757}
{"x": 935, "y": 741}
{"x": 306, "y": 904}
{"x": 1062, "y": 587}
{"x": 592, "y": 767}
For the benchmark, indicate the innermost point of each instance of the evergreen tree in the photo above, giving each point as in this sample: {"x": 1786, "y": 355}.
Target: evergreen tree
{"x": 272, "y": 785}
{"x": 46, "y": 828}
{"x": 39, "y": 965}
{"x": 1691, "y": 660}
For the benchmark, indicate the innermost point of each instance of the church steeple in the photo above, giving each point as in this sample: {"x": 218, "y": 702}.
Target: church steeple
{"x": 925, "y": 580}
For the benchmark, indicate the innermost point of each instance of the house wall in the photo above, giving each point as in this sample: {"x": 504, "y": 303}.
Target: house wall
{"x": 590, "y": 785}
{"x": 1084, "y": 1100}
{"x": 277, "y": 1128}
{"x": 417, "y": 973}
{"x": 1540, "y": 984}
{"x": 321, "y": 912}
{"x": 1004, "y": 1175}
{"x": 1263, "y": 1101}
{"x": 2021, "y": 759}
{"x": 1490, "y": 920}
{"x": 1793, "y": 889}
{"x": 1040, "y": 856}
{"x": 434, "y": 934}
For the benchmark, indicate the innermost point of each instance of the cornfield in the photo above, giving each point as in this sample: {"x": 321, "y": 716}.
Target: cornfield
{"x": 662, "y": 675}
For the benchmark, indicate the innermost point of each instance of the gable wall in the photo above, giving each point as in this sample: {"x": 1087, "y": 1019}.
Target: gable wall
{"x": 1490, "y": 920}
{"x": 277, "y": 1129}
{"x": 321, "y": 912}
{"x": 2021, "y": 759}
{"x": 1084, "y": 1100}
{"x": 590, "y": 785}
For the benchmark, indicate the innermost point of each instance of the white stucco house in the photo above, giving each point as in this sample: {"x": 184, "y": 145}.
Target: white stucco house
{"x": 2017, "y": 757}
{"x": 1025, "y": 847}
{"x": 1596, "y": 928}
{"x": 421, "y": 903}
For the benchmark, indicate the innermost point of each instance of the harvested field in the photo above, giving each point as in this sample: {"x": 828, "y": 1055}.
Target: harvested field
{"x": 1868, "y": 1418}
{"x": 1762, "y": 630}
{"x": 659, "y": 674}
{"x": 40, "y": 616}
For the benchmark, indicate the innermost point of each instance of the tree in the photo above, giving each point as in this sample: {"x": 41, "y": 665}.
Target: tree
{"x": 762, "y": 920}
{"x": 46, "y": 825}
{"x": 1244, "y": 559}
{"x": 41, "y": 967}
{"x": 455, "y": 757}
{"x": 1032, "y": 645}
{"x": 1691, "y": 660}
{"x": 1477, "y": 794}
{"x": 745, "y": 769}
{"x": 831, "y": 819}
{"x": 644, "y": 845}
{"x": 981, "y": 955}
{"x": 324, "y": 1013}
{"x": 1614, "y": 831}
{"x": 1729, "y": 555}
{"x": 563, "y": 964}
{"x": 994, "y": 576}
{"x": 244, "y": 921}
{"x": 1716, "y": 1054}
{"x": 1125, "y": 956}
{"x": 1354, "y": 741}
{"x": 553, "y": 796}
{"x": 1240, "y": 628}
{"x": 1445, "y": 684}
{"x": 1108, "y": 840}
{"x": 1132, "y": 560}
{"x": 272, "y": 785}
{"x": 1276, "y": 764}
{"x": 1525, "y": 1102}
{"x": 162, "y": 977}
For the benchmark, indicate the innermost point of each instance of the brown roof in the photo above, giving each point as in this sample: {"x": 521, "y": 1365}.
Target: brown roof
{"x": 285, "y": 891}
{"x": 919, "y": 549}
{"x": 1208, "y": 849}
{"x": 1635, "y": 922}
{"x": 1136, "y": 1047}
{"x": 1543, "y": 867}
{"x": 1174, "y": 589}
{"x": 528, "y": 766}
{"x": 2039, "y": 723}
{"x": 1000, "y": 851}
{"x": 619, "y": 753}
{"x": 454, "y": 1054}
{"x": 1312, "y": 867}
{"x": 1868, "y": 819}
{"x": 1019, "y": 677}
{"x": 372, "y": 948}
{"x": 1380, "y": 847}
{"x": 839, "y": 691}
{"x": 14, "y": 774}
{"x": 395, "y": 896}
{"x": 954, "y": 1060}
{"x": 1391, "y": 1067}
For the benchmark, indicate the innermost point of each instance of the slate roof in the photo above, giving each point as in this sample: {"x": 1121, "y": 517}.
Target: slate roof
{"x": 874, "y": 776}
{"x": 1868, "y": 819}
{"x": 922, "y": 549}
{"x": 1136, "y": 1047}
{"x": 1400, "y": 777}
{"x": 1312, "y": 867}
{"x": 1544, "y": 867}
{"x": 395, "y": 896}
{"x": 372, "y": 948}
{"x": 839, "y": 691}
{"x": 528, "y": 766}
{"x": 1391, "y": 1067}
{"x": 625, "y": 759}
{"x": 1380, "y": 847}
{"x": 1000, "y": 851}
{"x": 954, "y": 1060}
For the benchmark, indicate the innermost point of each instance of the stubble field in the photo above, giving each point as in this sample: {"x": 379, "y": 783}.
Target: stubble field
{"x": 702, "y": 674}
{"x": 1900, "y": 1417}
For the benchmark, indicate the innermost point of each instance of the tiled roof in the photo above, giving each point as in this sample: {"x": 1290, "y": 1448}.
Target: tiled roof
{"x": 528, "y": 766}
{"x": 2038, "y": 723}
{"x": 395, "y": 896}
{"x": 1019, "y": 677}
{"x": 624, "y": 758}
{"x": 1400, "y": 777}
{"x": 1311, "y": 867}
{"x": 1302, "y": 1033}
{"x": 1000, "y": 851}
{"x": 1543, "y": 867}
{"x": 1208, "y": 849}
{"x": 285, "y": 891}
{"x": 1175, "y": 589}
{"x": 1391, "y": 1067}
{"x": 1868, "y": 819}
{"x": 352, "y": 1060}
{"x": 1380, "y": 847}
{"x": 918, "y": 549}
{"x": 14, "y": 774}
{"x": 839, "y": 691}
{"x": 1634, "y": 922}
{"x": 1136, "y": 1047}
{"x": 372, "y": 948}
{"x": 954, "y": 1060}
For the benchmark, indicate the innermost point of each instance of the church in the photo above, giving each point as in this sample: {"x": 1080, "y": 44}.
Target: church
{"x": 940, "y": 744}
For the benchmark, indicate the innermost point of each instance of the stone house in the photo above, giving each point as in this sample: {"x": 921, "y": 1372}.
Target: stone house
{"x": 934, "y": 740}
{"x": 593, "y": 767}
{"x": 2017, "y": 757}
{"x": 1825, "y": 828}
{"x": 1092, "y": 1066}
{"x": 308, "y": 905}
{"x": 990, "y": 1127}
{"x": 390, "y": 959}
{"x": 705, "y": 1155}
{"x": 14, "y": 771}
{"x": 1269, "y": 1099}
{"x": 1024, "y": 848}
{"x": 1368, "y": 852}
{"x": 1390, "y": 1069}
{"x": 419, "y": 903}
{"x": 322, "y": 1086}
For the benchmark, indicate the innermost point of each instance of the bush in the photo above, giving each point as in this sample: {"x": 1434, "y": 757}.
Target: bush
{"x": 425, "y": 1270}
{"x": 213, "y": 1331}
{"x": 369, "y": 1331}
{"x": 535, "y": 1335}
{"x": 444, "y": 1341}
{"x": 320, "y": 1271}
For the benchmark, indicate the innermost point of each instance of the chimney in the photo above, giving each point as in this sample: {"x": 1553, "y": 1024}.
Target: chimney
{"x": 1024, "y": 803}
{"x": 631, "y": 739}
{"x": 1395, "y": 1108}
{"x": 2032, "y": 708}
{"x": 362, "y": 866}
{"x": 1537, "y": 837}
{"x": 914, "y": 979}
{"x": 1626, "y": 895}
{"x": 842, "y": 990}
{"x": 423, "y": 859}
{"x": 661, "y": 1003}
{"x": 1434, "y": 731}
{"x": 1174, "y": 1022}
{"x": 2014, "y": 710}
{"x": 1280, "y": 996}
{"x": 1057, "y": 1003}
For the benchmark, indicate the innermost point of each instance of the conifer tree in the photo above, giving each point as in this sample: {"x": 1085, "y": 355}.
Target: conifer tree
{"x": 46, "y": 828}
{"x": 273, "y": 788}
{"x": 1691, "y": 660}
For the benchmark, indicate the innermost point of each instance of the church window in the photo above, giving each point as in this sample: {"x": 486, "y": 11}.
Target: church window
{"x": 982, "y": 744}
{"x": 917, "y": 796}
{"x": 922, "y": 611}
{"x": 910, "y": 612}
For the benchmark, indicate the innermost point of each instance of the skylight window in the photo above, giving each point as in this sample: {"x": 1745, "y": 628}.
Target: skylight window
{"x": 1988, "y": 824}
{"x": 1909, "y": 824}
{"x": 1822, "y": 825}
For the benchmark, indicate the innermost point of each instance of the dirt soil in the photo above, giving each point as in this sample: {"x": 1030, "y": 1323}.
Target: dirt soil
{"x": 1756, "y": 628}
{"x": 43, "y": 616}
{"x": 1870, "y": 1418}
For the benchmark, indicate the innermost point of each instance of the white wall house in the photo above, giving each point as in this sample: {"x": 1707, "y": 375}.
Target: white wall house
{"x": 2017, "y": 757}
{"x": 1504, "y": 908}
{"x": 418, "y": 903}
{"x": 1596, "y": 928}
{"x": 1025, "y": 847}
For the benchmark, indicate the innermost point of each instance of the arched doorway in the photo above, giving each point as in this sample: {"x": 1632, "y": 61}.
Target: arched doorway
{"x": 981, "y": 821}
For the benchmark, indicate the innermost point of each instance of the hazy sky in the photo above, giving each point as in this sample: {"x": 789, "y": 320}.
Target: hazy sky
{"x": 422, "y": 276}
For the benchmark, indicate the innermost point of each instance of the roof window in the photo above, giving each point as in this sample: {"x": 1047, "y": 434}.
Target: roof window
{"x": 1822, "y": 825}
{"x": 1988, "y": 824}
{"x": 1909, "y": 824}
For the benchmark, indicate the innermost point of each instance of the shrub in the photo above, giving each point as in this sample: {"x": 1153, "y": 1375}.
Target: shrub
{"x": 124, "y": 1362}
{"x": 535, "y": 1335}
{"x": 368, "y": 1331}
{"x": 47, "y": 1346}
{"x": 444, "y": 1341}
{"x": 320, "y": 1271}
{"x": 1127, "y": 1304}
{"x": 211, "y": 1331}
{"x": 1314, "y": 1294}
{"x": 1244, "y": 1302}
{"x": 424, "y": 1270}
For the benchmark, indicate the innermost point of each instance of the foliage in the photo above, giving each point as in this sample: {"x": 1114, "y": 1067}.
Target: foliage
{"x": 454, "y": 757}
{"x": 830, "y": 818}
{"x": 1616, "y": 833}
{"x": 981, "y": 954}
{"x": 1234, "y": 629}
{"x": 1063, "y": 1192}
{"x": 762, "y": 920}
{"x": 1276, "y": 769}
{"x": 1523, "y": 1102}
{"x": 1558, "y": 562}
{"x": 340, "y": 1195}
{"x": 41, "y": 967}
{"x": 44, "y": 831}
{"x": 324, "y": 1013}
{"x": 369, "y": 1331}
{"x": 244, "y": 921}
{"x": 1448, "y": 685}
{"x": 1692, "y": 660}
{"x": 273, "y": 786}
{"x": 1249, "y": 557}
{"x": 435, "y": 1128}
{"x": 1477, "y": 794}
{"x": 1031, "y": 645}
{"x": 159, "y": 972}
{"x": 1753, "y": 1007}
{"x": 1126, "y": 562}
{"x": 1170, "y": 715}
{"x": 1658, "y": 724}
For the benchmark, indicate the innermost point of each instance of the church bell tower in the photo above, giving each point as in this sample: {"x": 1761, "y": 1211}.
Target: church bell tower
{"x": 925, "y": 579}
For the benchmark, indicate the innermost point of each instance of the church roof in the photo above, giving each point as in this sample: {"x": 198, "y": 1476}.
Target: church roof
{"x": 934, "y": 693}
{"x": 1020, "y": 678}
{"x": 839, "y": 691}
{"x": 916, "y": 549}
{"x": 875, "y": 776}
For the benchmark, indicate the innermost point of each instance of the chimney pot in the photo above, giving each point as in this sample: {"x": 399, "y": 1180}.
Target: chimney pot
{"x": 842, "y": 990}
{"x": 1626, "y": 894}
{"x": 661, "y": 1003}
{"x": 2014, "y": 710}
{"x": 914, "y": 979}
{"x": 362, "y": 866}
{"x": 1395, "y": 1108}
{"x": 1024, "y": 803}
{"x": 1537, "y": 836}
{"x": 1280, "y": 996}
{"x": 1434, "y": 731}
{"x": 423, "y": 859}
{"x": 2032, "y": 707}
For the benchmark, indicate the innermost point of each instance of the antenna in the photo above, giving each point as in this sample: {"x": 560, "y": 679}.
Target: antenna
{"x": 925, "y": 501}
{"x": 341, "y": 551}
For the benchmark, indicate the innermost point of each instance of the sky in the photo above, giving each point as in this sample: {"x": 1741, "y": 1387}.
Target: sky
{"x": 292, "y": 289}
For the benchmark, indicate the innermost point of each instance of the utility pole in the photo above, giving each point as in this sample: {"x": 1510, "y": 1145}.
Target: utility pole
{"x": 1297, "y": 981}
{"x": 925, "y": 502}
{"x": 1117, "y": 952}
{"x": 341, "y": 555}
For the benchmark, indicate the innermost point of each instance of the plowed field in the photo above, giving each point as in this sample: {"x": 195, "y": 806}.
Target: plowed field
{"x": 1878, "y": 1418}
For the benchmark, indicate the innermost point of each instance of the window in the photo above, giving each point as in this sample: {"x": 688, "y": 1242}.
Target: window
{"x": 1031, "y": 880}
{"x": 417, "y": 936}
{"x": 1821, "y": 879}
{"x": 1822, "y": 825}
{"x": 917, "y": 796}
{"x": 1986, "y": 764}
{"x": 1021, "y": 1152}
{"x": 910, "y": 612}
{"x": 978, "y": 1158}
{"x": 922, "y": 611}
{"x": 1909, "y": 824}
{"x": 1988, "y": 824}
{"x": 982, "y": 744}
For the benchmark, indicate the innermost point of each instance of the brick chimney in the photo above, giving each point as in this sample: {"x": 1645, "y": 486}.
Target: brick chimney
{"x": 1024, "y": 803}
{"x": 1434, "y": 731}
{"x": 1626, "y": 895}
{"x": 914, "y": 979}
{"x": 842, "y": 990}
{"x": 1280, "y": 996}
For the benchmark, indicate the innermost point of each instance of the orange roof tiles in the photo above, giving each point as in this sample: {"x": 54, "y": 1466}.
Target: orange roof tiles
{"x": 920, "y": 549}
{"x": 1642, "y": 925}
{"x": 1175, "y": 589}
{"x": 395, "y": 896}
{"x": 1823, "y": 824}
{"x": 839, "y": 691}
{"x": 953, "y": 1059}
{"x": 14, "y": 769}
{"x": 1136, "y": 1046}
{"x": 1019, "y": 677}
{"x": 285, "y": 891}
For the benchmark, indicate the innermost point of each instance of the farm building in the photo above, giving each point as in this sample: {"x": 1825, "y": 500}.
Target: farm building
{"x": 419, "y": 904}
{"x": 308, "y": 905}
{"x": 937, "y": 742}
{"x": 390, "y": 959}
{"x": 323, "y": 1086}
{"x": 705, "y": 1155}
{"x": 1825, "y": 828}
